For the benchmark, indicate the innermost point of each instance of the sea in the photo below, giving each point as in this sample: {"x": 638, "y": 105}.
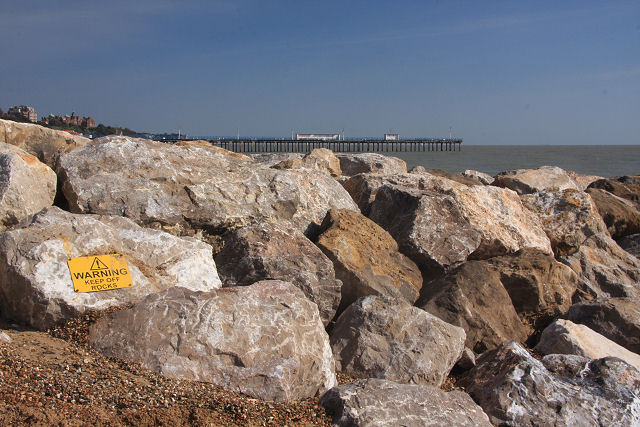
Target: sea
{"x": 601, "y": 160}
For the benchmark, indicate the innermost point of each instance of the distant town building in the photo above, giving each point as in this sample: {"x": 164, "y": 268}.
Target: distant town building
{"x": 321, "y": 136}
{"x": 84, "y": 122}
{"x": 391, "y": 137}
{"x": 23, "y": 111}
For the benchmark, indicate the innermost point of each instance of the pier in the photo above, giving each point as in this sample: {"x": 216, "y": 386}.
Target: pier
{"x": 251, "y": 145}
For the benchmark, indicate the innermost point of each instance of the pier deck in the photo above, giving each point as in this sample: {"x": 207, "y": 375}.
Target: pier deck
{"x": 338, "y": 146}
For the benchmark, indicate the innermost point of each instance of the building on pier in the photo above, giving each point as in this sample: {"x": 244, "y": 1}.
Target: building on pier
{"x": 318, "y": 136}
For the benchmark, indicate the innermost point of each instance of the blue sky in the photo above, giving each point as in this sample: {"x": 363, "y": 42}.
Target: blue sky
{"x": 498, "y": 72}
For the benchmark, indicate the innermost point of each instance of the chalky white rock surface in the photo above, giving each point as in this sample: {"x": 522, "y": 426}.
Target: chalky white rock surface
{"x": 35, "y": 283}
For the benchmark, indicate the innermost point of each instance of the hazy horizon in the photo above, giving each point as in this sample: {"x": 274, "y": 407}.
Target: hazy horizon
{"x": 497, "y": 72}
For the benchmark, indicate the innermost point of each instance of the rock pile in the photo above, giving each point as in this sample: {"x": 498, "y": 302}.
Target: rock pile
{"x": 268, "y": 276}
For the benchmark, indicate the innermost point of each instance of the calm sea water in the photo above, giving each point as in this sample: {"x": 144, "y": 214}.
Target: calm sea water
{"x": 603, "y": 160}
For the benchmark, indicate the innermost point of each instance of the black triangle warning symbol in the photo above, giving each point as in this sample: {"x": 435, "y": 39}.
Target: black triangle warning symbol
{"x": 98, "y": 265}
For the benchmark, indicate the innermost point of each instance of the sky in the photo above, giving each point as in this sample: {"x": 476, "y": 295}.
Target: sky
{"x": 494, "y": 72}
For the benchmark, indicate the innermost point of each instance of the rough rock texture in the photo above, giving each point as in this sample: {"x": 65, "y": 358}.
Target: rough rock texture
{"x": 439, "y": 223}
{"x": 375, "y": 402}
{"x": 35, "y": 283}
{"x": 621, "y": 216}
{"x": 604, "y": 269}
{"x": 616, "y": 318}
{"x": 545, "y": 178}
{"x": 271, "y": 159}
{"x": 514, "y": 388}
{"x": 504, "y": 298}
{"x": 44, "y": 143}
{"x": 566, "y": 337}
{"x": 631, "y": 244}
{"x": 484, "y": 178}
{"x": 26, "y": 185}
{"x": 366, "y": 258}
{"x": 265, "y": 340}
{"x": 627, "y": 187}
{"x": 467, "y": 360}
{"x": 353, "y": 164}
{"x": 363, "y": 189}
{"x": 192, "y": 187}
{"x": 203, "y": 143}
{"x": 380, "y": 337}
{"x": 321, "y": 159}
{"x": 270, "y": 251}
{"x": 583, "y": 181}
{"x": 568, "y": 218}
{"x": 457, "y": 177}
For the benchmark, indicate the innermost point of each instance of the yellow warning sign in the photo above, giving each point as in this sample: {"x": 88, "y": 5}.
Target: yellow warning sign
{"x": 99, "y": 273}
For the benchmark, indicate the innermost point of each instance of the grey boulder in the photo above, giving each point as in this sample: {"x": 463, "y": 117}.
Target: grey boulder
{"x": 270, "y": 251}
{"x": 545, "y": 178}
{"x": 380, "y": 337}
{"x": 26, "y": 185}
{"x": 35, "y": 282}
{"x": 265, "y": 340}
{"x": 514, "y": 388}
{"x": 193, "y": 188}
{"x": 376, "y": 402}
{"x": 353, "y": 164}
{"x": 566, "y": 337}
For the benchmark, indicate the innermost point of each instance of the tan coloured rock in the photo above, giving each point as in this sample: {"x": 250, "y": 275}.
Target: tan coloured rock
{"x": 545, "y": 178}
{"x": 353, "y": 164}
{"x": 26, "y": 185}
{"x": 566, "y": 337}
{"x": 484, "y": 178}
{"x": 382, "y": 337}
{"x": 321, "y": 159}
{"x": 615, "y": 318}
{"x": 604, "y": 269}
{"x": 193, "y": 188}
{"x": 265, "y": 340}
{"x": 269, "y": 251}
{"x": 35, "y": 283}
{"x": 627, "y": 187}
{"x": 44, "y": 143}
{"x": 621, "y": 216}
{"x": 206, "y": 144}
{"x": 568, "y": 217}
{"x": 504, "y": 298}
{"x": 366, "y": 258}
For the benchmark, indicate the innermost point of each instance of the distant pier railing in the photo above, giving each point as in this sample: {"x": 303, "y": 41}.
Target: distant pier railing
{"x": 250, "y": 145}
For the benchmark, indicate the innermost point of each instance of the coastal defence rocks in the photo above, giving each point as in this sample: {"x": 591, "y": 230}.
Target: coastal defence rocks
{"x": 265, "y": 340}
{"x": 545, "y": 178}
{"x": 376, "y": 402}
{"x": 26, "y": 185}
{"x": 503, "y": 298}
{"x": 353, "y": 164}
{"x": 440, "y": 223}
{"x": 366, "y": 258}
{"x": 514, "y": 388}
{"x": 270, "y": 251}
{"x": 35, "y": 283}
{"x": 192, "y": 188}
{"x": 381, "y": 337}
{"x": 44, "y": 143}
{"x": 566, "y": 337}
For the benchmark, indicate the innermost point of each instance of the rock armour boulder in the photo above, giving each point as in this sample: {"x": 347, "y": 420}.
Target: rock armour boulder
{"x": 265, "y": 340}
{"x": 35, "y": 282}
{"x": 545, "y": 178}
{"x": 566, "y": 337}
{"x": 270, "y": 251}
{"x": 375, "y": 402}
{"x": 621, "y": 216}
{"x": 380, "y": 337}
{"x": 44, "y": 143}
{"x": 26, "y": 185}
{"x": 504, "y": 298}
{"x": 568, "y": 217}
{"x": 366, "y": 258}
{"x": 353, "y": 164}
{"x": 514, "y": 388}
{"x": 193, "y": 188}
